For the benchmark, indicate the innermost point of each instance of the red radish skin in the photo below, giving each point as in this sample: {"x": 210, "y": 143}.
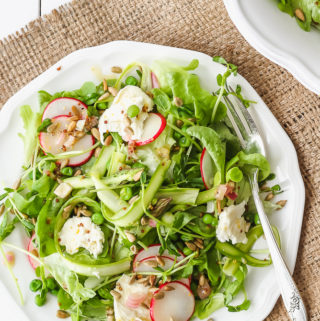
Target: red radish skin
{"x": 63, "y": 106}
{"x": 153, "y": 250}
{"x": 156, "y": 131}
{"x": 166, "y": 313}
{"x": 206, "y": 169}
{"x": 30, "y": 248}
{"x": 53, "y": 144}
{"x": 154, "y": 79}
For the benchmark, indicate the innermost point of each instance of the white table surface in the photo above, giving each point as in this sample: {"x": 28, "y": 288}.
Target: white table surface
{"x": 15, "y": 14}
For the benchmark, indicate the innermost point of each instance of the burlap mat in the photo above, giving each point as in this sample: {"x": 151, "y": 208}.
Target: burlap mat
{"x": 200, "y": 25}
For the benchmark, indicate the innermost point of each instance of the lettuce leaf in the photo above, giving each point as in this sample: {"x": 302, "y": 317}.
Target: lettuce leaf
{"x": 31, "y": 121}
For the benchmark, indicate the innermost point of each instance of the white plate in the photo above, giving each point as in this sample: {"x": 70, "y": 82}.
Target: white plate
{"x": 76, "y": 68}
{"x": 277, "y": 36}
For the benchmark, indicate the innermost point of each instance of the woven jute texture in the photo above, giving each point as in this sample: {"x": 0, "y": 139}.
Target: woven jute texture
{"x": 193, "y": 24}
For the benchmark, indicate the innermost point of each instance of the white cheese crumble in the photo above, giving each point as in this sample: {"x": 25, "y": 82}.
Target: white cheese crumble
{"x": 63, "y": 190}
{"x": 115, "y": 118}
{"x": 232, "y": 226}
{"x": 80, "y": 232}
{"x": 135, "y": 290}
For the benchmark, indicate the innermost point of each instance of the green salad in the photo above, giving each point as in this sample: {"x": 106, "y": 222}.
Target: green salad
{"x": 306, "y": 12}
{"x": 135, "y": 198}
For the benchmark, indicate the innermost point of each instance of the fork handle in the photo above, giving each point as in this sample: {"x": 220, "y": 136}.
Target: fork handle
{"x": 289, "y": 291}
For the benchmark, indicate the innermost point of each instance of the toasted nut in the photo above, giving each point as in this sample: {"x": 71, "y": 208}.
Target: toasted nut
{"x": 96, "y": 134}
{"x": 144, "y": 221}
{"x": 143, "y": 280}
{"x": 85, "y": 212}
{"x": 113, "y": 91}
{"x": 153, "y": 289}
{"x": 78, "y": 172}
{"x": 79, "y": 134}
{"x": 76, "y": 111}
{"x": 17, "y": 184}
{"x": 145, "y": 306}
{"x": 73, "y": 118}
{"x": 131, "y": 238}
{"x": 269, "y": 197}
{"x": 110, "y": 311}
{"x": 159, "y": 295}
{"x": 25, "y": 216}
{"x": 108, "y": 140}
{"x": 72, "y": 126}
{"x": 191, "y": 246}
{"x": 62, "y": 314}
{"x": 151, "y": 263}
{"x": 105, "y": 85}
{"x": 116, "y": 70}
{"x": 179, "y": 123}
{"x": 160, "y": 261}
{"x": 264, "y": 187}
{"x": 97, "y": 152}
{"x": 110, "y": 318}
{"x": 104, "y": 96}
{"x": 35, "y": 252}
{"x": 199, "y": 244}
{"x": 152, "y": 280}
{"x": 64, "y": 162}
{"x": 168, "y": 288}
{"x": 2, "y": 209}
{"x": 200, "y": 240}
{"x": 202, "y": 280}
{"x": 137, "y": 176}
{"x": 52, "y": 128}
{"x": 132, "y": 279}
{"x": 177, "y": 101}
{"x": 282, "y": 203}
{"x": 115, "y": 294}
{"x": 66, "y": 211}
{"x": 133, "y": 249}
{"x": 299, "y": 14}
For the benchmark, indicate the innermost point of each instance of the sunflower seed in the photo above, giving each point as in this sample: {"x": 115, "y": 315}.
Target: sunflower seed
{"x": 191, "y": 246}
{"x": 113, "y": 91}
{"x": 152, "y": 280}
{"x": 75, "y": 111}
{"x": 52, "y": 128}
{"x": 131, "y": 238}
{"x": 85, "y": 212}
{"x": 160, "y": 261}
{"x": 198, "y": 244}
{"x": 144, "y": 221}
{"x": 202, "y": 280}
{"x": 116, "y": 70}
{"x": 151, "y": 263}
{"x": 108, "y": 140}
{"x": 143, "y": 280}
{"x": 79, "y": 134}
{"x": 177, "y": 101}
{"x": 159, "y": 295}
{"x": 78, "y": 172}
{"x": 179, "y": 123}
{"x": 105, "y": 85}
{"x": 110, "y": 318}
{"x": 137, "y": 176}
{"x": 64, "y": 162}
{"x": 73, "y": 118}
{"x": 133, "y": 249}
{"x": 282, "y": 203}
{"x": 96, "y": 134}
{"x": 110, "y": 311}
{"x": 17, "y": 184}
{"x": 71, "y": 126}
{"x": 62, "y": 314}
{"x": 145, "y": 306}
{"x": 168, "y": 288}
{"x": 104, "y": 96}
{"x": 97, "y": 152}
{"x": 269, "y": 197}
{"x": 132, "y": 279}
{"x": 299, "y": 14}
{"x": 115, "y": 294}
{"x": 2, "y": 208}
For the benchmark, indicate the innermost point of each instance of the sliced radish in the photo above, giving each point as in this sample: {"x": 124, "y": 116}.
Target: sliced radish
{"x": 142, "y": 266}
{"x": 153, "y": 250}
{"x": 206, "y": 169}
{"x": 54, "y": 143}
{"x": 177, "y": 304}
{"x": 134, "y": 300}
{"x": 31, "y": 248}
{"x": 63, "y": 106}
{"x": 155, "y": 82}
{"x": 152, "y": 128}
{"x": 186, "y": 281}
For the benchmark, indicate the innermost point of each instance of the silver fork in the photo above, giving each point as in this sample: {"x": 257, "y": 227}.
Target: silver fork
{"x": 251, "y": 142}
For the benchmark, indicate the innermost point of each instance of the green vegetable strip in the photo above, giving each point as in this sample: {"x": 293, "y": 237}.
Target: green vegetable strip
{"x": 136, "y": 210}
{"x": 206, "y": 196}
{"x": 116, "y": 162}
{"x": 186, "y": 196}
{"x": 101, "y": 165}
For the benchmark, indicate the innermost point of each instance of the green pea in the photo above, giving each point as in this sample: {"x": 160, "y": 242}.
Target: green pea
{"x": 97, "y": 218}
{"x": 187, "y": 251}
{"x": 184, "y": 142}
{"x": 207, "y": 219}
{"x": 176, "y": 135}
{"x": 67, "y": 171}
{"x": 186, "y": 238}
{"x": 133, "y": 111}
{"x": 131, "y": 81}
{"x": 234, "y": 174}
{"x": 215, "y": 221}
{"x": 257, "y": 219}
{"x": 51, "y": 284}
{"x": 35, "y": 285}
{"x": 104, "y": 293}
{"x": 40, "y": 300}
{"x": 126, "y": 193}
